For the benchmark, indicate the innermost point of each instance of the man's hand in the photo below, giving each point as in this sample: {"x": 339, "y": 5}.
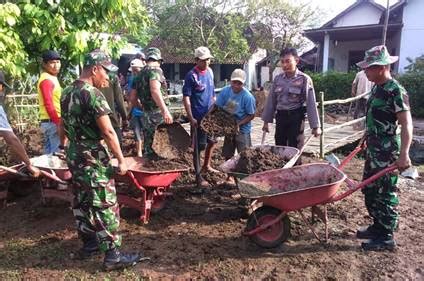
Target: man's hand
{"x": 35, "y": 172}
{"x": 265, "y": 127}
{"x": 403, "y": 162}
{"x": 316, "y": 132}
{"x": 167, "y": 117}
{"x": 122, "y": 168}
{"x": 194, "y": 123}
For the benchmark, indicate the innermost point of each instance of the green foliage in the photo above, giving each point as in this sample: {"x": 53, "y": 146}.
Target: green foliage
{"x": 414, "y": 84}
{"x": 72, "y": 27}
{"x": 416, "y": 66}
{"x": 335, "y": 85}
{"x": 216, "y": 24}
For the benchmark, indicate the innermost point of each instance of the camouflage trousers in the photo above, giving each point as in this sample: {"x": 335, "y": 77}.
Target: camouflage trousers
{"x": 381, "y": 198}
{"x": 151, "y": 119}
{"x": 95, "y": 206}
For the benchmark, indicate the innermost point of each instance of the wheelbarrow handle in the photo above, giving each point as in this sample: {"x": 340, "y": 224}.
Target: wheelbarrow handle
{"x": 362, "y": 145}
{"x": 14, "y": 171}
{"x": 52, "y": 176}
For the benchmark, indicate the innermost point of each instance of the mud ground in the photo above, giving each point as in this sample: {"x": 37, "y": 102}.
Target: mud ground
{"x": 199, "y": 237}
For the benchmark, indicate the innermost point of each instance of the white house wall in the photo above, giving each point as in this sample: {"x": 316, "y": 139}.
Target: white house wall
{"x": 340, "y": 53}
{"x": 361, "y": 15}
{"x": 413, "y": 32}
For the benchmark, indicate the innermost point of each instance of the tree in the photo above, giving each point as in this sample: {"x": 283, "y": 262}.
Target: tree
{"x": 280, "y": 23}
{"x": 217, "y": 24}
{"x": 415, "y": 65}
{"x": 73, "y": 27}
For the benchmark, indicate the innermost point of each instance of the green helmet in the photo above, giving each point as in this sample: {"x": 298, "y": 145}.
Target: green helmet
{"x": 98, "y": 57}
{"x": 153, "y": 53}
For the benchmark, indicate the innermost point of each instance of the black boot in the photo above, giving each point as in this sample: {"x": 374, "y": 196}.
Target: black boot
{"x": 380, "y": 243}
{"x": 117, "y": 260}
{"x": 370, "y": 232}
{"x": 90, "y": 248}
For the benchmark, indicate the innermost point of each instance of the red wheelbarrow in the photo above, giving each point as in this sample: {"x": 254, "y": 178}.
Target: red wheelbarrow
{"x": 154, "y": 186}
{"x": 284, "y": 190}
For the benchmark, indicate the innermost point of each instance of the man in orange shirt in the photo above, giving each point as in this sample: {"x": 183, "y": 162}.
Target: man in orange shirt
{"x": 49, "y": 92}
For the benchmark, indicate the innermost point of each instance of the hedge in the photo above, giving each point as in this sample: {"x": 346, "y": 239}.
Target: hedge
{"x": 337, "y": 85}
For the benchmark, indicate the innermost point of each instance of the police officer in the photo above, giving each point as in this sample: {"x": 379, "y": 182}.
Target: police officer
{"x": 292, "y": 95}
{"x": 149, "y": 87}
{"x": 85, "y": 117}
{"x": 387, "y": 106}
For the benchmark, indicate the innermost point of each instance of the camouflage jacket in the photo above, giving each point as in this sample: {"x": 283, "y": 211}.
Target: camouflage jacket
{"x": 81, "y": 105}
{"x": 142, "y": 86}
{"x": 385, "y": 101}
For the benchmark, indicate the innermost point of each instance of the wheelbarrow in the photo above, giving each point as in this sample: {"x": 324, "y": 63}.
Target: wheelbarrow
{"x": 154, "y": 186}
{"x": 285, "y": 190}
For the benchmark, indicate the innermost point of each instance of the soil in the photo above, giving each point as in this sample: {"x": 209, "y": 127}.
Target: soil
{"x": 170, "y": 140}
{"x": 253, "y": 160}
{"x": 199, "y": 237}
{"x": 219, "y": 123}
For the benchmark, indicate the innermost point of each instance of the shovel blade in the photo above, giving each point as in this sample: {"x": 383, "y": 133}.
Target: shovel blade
{"x": 333, "y": 159}
{"x": 411, "y": 173}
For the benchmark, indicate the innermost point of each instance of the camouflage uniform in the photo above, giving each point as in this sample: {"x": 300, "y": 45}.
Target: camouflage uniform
{"x": 152, "y": 116}
{"x": 95, "y": 204}
{"x": 383, "y": 144}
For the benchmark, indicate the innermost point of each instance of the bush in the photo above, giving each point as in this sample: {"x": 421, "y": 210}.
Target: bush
{"x": 414, "y": 84}
{"x": 335, "y": 85}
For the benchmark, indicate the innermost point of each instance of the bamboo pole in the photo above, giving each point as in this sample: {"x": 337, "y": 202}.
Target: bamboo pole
{"x": 321, "y": 139}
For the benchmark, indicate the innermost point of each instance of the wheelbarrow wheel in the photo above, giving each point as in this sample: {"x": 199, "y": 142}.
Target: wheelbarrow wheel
{"x": 273, "y": 235}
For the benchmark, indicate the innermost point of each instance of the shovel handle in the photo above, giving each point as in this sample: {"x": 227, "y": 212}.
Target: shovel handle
{"x": 263, "y": 137}
{"x": 292, "y": 161}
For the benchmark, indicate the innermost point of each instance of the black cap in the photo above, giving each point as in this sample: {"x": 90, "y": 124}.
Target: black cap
{"x": 2, "y": 80}
{"x": 50, "y": 55}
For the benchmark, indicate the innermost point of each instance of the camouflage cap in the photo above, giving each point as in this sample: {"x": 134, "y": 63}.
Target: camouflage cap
{"x": 98, "y": 57}
{"x": 153, "y": 53}
{"x": 377, "y": 55}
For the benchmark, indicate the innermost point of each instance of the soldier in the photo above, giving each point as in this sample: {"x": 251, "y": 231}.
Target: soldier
{"x": 388, "y": 105}
{"x": 86, "y": 122}
{"x": 292, "y": 95}
{"x": 9, "y": 136}
{"x": 149, "y": 86}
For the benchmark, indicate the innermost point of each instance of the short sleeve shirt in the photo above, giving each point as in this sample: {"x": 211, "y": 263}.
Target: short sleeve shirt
{"x": 385, "y": 101}
{"x": 201, "y": 90}
{"x": 4, "y": 124}
{"x": 82, "y": 104}
{"x": 239, "y": 104}
{"x": 141, "y": 84}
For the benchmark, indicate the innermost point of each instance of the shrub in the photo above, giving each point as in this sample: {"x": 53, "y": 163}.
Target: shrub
{"x": 335, "y": 85}
{"x": 414, "y": 84}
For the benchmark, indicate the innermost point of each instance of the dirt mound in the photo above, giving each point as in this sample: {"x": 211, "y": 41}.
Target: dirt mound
{"x": 219, "y": 123}
{"x": 253, "y": 160}
{"x": 170, "y": 140}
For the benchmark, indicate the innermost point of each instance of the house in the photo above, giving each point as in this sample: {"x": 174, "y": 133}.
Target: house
{"x": 342, "y": 41}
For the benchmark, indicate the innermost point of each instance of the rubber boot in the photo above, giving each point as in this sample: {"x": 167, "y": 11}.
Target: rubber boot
{"x": 117, "y": 260}
{"x": 380, "y": 243}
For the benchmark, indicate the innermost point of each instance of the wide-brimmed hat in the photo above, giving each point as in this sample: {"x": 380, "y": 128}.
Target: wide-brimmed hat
{"x": 136, "y": 63}
{"x": 377, "y": 55}
{"x": 238, "y": 75}
{"x": 153, "y": 53}
{"x": 98, "y": 57}
{"x": 3, "y": 80}
{"x": 202, "y": 53}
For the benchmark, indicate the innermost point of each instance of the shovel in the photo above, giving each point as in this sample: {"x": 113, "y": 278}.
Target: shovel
{"x": 263, "y": 138}
{"x": 170, "y": 140}
{"x": 293, "y": 161}
{"x": 410, "y": 173}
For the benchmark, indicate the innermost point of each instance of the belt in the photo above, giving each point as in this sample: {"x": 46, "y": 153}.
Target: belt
{"x": 45, "y": 120}
{"x": 291, "y": 112}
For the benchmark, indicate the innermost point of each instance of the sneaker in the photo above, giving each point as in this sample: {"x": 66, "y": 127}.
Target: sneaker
{"x": 381, "y": 243}
{"x": 370, "y": 232}
{"x": 117, "y": 260}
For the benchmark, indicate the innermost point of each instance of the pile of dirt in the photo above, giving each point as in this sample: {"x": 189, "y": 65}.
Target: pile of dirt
{"x": 219, "y": 123}
{"x": 260, "y": 98}
{"x": 254, "y": 160}
{"x": 170, "y": 140}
